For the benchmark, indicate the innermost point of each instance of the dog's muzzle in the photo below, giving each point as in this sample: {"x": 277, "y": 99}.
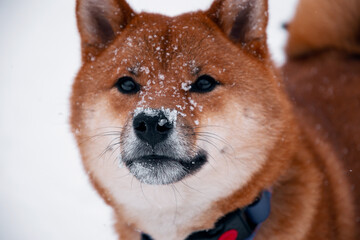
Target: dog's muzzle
{"x": 157, "y": 151}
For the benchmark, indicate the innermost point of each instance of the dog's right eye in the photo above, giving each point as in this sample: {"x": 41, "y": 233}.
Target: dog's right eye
{"x": 127, "y": 85}
{"x": 204, "y": 84}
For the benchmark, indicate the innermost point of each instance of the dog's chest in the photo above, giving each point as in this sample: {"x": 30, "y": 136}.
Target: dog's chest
{"x": 165, "y": 215}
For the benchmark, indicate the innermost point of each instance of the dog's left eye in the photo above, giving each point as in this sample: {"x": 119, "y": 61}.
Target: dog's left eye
{"x": 127, "y": 85}
{"x": 203, "y": 84}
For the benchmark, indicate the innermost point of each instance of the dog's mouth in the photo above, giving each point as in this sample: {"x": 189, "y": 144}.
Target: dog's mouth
{"x": 162, "y": 170}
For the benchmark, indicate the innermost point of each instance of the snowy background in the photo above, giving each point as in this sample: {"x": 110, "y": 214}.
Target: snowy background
{"x": 44, "y": 192}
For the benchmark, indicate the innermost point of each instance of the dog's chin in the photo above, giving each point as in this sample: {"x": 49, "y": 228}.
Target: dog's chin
{"x": 162, "y": 170}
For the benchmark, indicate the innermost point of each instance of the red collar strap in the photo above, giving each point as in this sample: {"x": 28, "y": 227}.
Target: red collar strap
{"x": 237, "y": 225}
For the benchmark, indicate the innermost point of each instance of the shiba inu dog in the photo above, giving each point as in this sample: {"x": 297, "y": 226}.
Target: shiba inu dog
{"x": 185, "y": 129}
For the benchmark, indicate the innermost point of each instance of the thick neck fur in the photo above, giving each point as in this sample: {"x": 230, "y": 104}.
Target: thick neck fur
{"x": 307, "y": 201}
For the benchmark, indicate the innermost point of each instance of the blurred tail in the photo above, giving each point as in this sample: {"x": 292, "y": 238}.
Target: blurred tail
{"x": 324, "y": 24}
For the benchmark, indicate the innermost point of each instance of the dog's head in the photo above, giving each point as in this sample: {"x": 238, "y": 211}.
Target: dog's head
{"x": 194, "y": 97}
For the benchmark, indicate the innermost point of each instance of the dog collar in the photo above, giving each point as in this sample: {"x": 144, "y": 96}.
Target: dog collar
{"x": 240, "y": 224}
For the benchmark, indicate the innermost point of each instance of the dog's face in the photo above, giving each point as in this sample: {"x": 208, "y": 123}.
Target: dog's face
{"x": 168, "y": 100}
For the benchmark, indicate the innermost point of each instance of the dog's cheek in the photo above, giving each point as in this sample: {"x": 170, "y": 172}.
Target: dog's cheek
{"x": 236, "y": 149}
{"x": 101, "y": 134}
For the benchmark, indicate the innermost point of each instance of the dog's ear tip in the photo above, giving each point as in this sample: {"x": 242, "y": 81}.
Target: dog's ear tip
{"x": 99, "y": 22}
{"x": 244, "y": 22}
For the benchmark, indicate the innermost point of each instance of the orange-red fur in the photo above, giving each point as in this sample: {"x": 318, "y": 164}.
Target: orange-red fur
{"x": 311, "y": 195}
{"x": 322, "y": 77}
{"x": 320, "y": 25}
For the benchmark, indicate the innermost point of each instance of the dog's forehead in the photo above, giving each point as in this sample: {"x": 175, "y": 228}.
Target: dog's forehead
{"x": 169, "y": 29}
{"x": 165, "y": 39}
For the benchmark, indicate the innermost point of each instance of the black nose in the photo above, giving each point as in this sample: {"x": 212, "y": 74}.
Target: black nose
{"x": 152, "y": 129}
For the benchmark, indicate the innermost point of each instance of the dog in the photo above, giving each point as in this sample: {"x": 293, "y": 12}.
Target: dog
{"x": 185, "y": 129}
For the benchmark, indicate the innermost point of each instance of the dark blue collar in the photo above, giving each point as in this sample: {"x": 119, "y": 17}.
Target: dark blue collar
{"x": 237, "y": 225}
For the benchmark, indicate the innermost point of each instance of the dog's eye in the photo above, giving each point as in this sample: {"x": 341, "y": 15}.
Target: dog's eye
{"x": 127, "y": 85}
{"x": 203, "y": 84}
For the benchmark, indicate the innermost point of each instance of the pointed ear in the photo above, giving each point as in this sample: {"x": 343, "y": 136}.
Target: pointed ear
{"x": 244, "y": 22}
{"x": 99, "y": 22}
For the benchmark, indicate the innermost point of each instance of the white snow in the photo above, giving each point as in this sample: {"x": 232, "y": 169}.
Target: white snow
{"x": 170, "y": 114}
{"x": 44, "y": 192}
{"x": 186, "y": 85}
{"x": 129, "y": 42}
{"x": 145, "y": 69}
{"x": 192, "y": 102}
{"x": 161, "y": 76}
